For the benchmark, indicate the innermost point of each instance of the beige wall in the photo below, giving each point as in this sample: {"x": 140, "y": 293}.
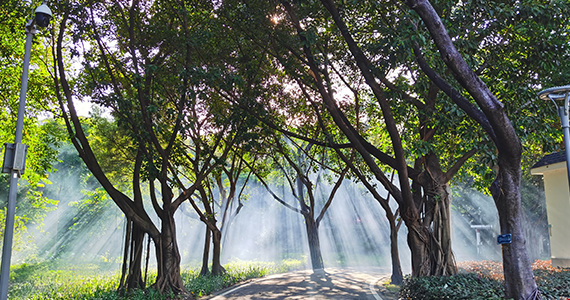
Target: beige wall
{"x": 558, "y": 210}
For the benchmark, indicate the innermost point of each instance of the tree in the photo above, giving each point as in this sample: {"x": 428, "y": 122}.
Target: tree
{"x": 435, "y": 113}
{"x": 297, "y": 100}
{"x": 490, "y": 113}
{"x": 218, "y": 196}
{"x": 298, "y": 164}
{"x": 168, "y": 99}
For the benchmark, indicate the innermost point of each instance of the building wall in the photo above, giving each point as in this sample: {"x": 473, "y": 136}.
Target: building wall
{"x": 558, "y": 210}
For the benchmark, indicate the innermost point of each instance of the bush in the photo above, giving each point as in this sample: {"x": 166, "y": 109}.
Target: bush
{"x": 461, "y": 286}
{"x": 484, "y": 280}
{"x": 553, "y": 284}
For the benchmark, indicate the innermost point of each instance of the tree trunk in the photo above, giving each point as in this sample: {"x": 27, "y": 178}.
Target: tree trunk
{"x": 217, "y": 268}
{"x": 436, "y": 220}
{"x": 124, "y": 268}
{"x": 442, "y": 260}
{"x": 168, "y": 257}
{"x": 134, "y": 278}
{"x": 397, "y": 277}
{"x": 314, "y": 244}
{"x": 418, "y": 242}
{"x": 206, "y": 255}
{"x": 519, "y": 279}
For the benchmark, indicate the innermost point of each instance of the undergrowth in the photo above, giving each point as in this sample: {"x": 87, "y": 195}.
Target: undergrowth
{"x": 484, "y": 280}
{"x": 48, "y": 280}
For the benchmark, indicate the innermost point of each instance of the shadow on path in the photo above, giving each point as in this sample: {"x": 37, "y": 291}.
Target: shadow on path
{"x": 332, "y": 283}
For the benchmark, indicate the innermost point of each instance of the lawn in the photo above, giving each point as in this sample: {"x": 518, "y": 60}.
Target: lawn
{"x": 50, "y": 280}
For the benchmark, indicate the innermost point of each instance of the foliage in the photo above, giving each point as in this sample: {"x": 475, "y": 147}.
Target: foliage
{"x": 461, "y": 286}
{"x": 553, "y": 283}
{"x": 39, "y": 133}
{"x": 44, "y": 280}
{"x": 483, "y": 280}
{"x": 489, "y": 269}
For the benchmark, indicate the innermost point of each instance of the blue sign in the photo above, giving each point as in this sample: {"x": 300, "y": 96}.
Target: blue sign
{"x": 504, "y": 239}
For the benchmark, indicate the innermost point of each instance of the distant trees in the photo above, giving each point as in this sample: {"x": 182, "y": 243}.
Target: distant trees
{"x": 305, "y": 170}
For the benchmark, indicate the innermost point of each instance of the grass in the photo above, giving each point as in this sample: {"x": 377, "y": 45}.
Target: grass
{"x": 389, "y": 290}
{"x": 49, "y": 280}
{"x": 237, "y": 271}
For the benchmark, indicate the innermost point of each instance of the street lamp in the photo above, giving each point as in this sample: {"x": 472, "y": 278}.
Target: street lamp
{"x": 561, "y": 93}
{"x": 15, "y": 154}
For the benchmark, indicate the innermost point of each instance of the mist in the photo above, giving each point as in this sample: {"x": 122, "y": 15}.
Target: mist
{"x": 472, "y": 208}
{"x": 87, "y": 228}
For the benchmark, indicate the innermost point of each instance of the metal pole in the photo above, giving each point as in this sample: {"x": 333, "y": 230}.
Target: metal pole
{"x": 563, "y": 113}
{"x": 14, "y": 175}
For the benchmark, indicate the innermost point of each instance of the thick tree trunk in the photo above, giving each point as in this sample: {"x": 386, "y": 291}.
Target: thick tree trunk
{"x": 314, "y": 244}
{"x": 418, "y": 241}
{"x": 519, "y": 279}
{"x": 437, "y": 220}
{"x": 442, "y": 260}
{"x": 206, "y": 254}
{"x": 134, "y": 277}
{"x": 125, "y": 266}
{"x": 168, "y": 257}
{"x": 217, "y": 268}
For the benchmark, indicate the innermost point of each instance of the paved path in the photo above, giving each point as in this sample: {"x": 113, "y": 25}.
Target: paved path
{"x": 332, "y": 284}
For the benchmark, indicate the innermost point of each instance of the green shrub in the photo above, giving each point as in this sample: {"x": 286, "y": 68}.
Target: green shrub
{"x": 461, "y": 286}
{"x": 553, "y": 284}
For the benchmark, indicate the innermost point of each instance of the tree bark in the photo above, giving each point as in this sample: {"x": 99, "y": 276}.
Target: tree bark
{"x": 519, "y": 279}
{"x": 397, "y": 277}
{"x": 217, "y": 268}
{"x": 168, "y": 257}
{"x": 437, "y": 219}
{"x": 314, "y": 243}
{"x": 134, "y": 278}
{"x": 132, "y": 260}
{"x": 206, "y": 255}
{"x": 418, "y": 241}
{"x": 124, "y": 268}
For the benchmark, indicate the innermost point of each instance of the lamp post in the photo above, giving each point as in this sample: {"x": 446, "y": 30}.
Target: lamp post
{"x": 561, "y": 93}
{"x": 15, "y": 154}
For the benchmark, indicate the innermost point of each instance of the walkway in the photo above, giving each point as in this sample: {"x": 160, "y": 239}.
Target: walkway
{"x": 332, "y": 284}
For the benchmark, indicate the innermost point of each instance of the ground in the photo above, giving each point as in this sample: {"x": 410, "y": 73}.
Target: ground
{"x": 330, "y": 284}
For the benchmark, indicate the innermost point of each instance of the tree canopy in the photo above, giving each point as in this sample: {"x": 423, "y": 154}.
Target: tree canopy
{"x": 438, "y": 93}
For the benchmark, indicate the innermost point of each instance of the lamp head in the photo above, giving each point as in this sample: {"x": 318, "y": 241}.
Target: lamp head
{"x": 43, "y": 15}
{"x": 554, "y": 93}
